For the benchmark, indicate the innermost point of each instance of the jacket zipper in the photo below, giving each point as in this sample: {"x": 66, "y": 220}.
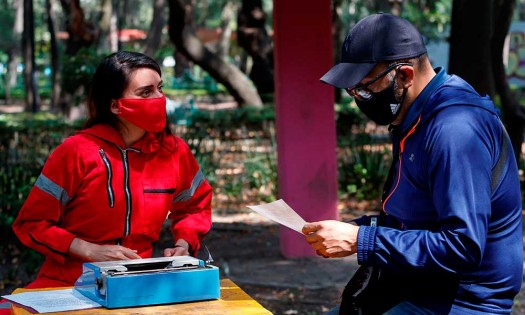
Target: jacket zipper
{"x": 401, "y": 150}
{"x": 109, "y": 188}
{"x": 127, "y": 191}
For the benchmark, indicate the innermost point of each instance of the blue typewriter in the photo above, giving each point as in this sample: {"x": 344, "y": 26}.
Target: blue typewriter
{"x": 150, "y": 281}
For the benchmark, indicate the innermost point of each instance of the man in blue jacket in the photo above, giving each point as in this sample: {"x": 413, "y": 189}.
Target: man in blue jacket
{"x": 451, "y": 239}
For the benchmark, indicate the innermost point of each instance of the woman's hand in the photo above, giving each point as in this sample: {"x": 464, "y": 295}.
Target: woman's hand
{"x": 332, "y": 238}
{"x": 93, "y": 252}
{"x": 181, "y": 248}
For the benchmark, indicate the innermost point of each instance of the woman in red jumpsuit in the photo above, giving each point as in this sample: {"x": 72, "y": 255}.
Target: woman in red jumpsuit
{"x": 105, "y": 192}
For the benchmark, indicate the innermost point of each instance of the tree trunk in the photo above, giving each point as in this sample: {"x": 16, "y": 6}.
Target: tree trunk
{"x": 182, "y": 64}
{"x": 395, "y": 7}
{"x": 227, "y": 15}
{"x": 12, "y": 61}
{"x": 183, "y": 36}
{"x": 107, "y": 35}
{"x": 13, "y": 54}
{"x": 114, "y": 26}
{"x": 130, "y": 13}
{"x": 55, "y": 58}
{"x": 253, "y": 38}
{"x": 157, "y": 24}
{"x": 477, "y": 39}
{"x": 470, "y": 51}
{"x": 28, "y": 48}
{"x": 80, "y": 33}
{"x": 106, "y": 9}
{"x": 513, "y": 114}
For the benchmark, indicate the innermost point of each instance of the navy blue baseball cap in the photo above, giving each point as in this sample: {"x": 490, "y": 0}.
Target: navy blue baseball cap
{"x": 375, "y": 38}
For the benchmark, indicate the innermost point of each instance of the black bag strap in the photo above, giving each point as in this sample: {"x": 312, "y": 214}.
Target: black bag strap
{"x": 497, "y": 172}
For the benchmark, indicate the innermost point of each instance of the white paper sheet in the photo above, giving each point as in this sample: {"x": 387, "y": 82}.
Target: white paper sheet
{"x": 48, "y": 301}
{"x": 281, "y": 213}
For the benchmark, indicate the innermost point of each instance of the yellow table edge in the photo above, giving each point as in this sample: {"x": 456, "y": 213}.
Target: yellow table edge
{"x": 233, "y": 301}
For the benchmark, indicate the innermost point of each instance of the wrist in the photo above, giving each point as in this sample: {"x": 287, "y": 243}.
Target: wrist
{"x": 80, "y": 248}
{"x": 180, "y": 243}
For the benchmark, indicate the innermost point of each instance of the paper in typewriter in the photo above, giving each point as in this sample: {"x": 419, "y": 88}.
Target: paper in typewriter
{"x": 281, "y": 213}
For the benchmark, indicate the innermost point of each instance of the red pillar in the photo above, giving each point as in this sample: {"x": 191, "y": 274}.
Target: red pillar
{"x": 305, "y": 118}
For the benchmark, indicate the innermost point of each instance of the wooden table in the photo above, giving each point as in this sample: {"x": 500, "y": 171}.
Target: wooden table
{"x": 233, "y": 301}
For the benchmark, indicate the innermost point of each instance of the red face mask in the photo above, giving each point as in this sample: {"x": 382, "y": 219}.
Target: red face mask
{"x": 146, "y": 113}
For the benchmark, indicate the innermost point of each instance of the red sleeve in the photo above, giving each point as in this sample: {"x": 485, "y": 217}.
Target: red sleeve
{"x": 38, "y": 222}
{"x": 191, "y": 207}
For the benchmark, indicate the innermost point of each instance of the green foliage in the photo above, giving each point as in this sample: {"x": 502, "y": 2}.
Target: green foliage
{"x": 362, "y": 171}
{"x": 7, "y": 38}
{"x": 77, "y": 70}
{"x": 18, "y": 92}
{"x": 363, "y": 154}
{"x": 33, "y": 260}
{"x": 349, "y": 119}
{"x": 164, "y": 51}
{"x": 249, "y": 117}
{"x": 188, "y": 82}
{"x": 208, "y": 13}
{"x": 432, "y": 18}
{"x": 231, "y": 146}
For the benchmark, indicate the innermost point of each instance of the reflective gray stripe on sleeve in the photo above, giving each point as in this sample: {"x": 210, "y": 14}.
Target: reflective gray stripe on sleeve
{"x": 185, "y": 195}
{"x": 47, "y": 185}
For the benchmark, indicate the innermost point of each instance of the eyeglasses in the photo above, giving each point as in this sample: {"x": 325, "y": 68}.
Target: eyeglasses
{"x": 362, "y": 91}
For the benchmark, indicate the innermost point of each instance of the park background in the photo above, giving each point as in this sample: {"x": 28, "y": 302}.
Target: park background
{"x": 217, "y": 58}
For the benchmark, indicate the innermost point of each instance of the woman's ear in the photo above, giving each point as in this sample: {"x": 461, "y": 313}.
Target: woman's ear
{"x": 114, "y": 107}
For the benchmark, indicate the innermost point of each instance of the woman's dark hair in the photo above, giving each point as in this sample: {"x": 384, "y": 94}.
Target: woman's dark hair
{"x": 109, "y": 82}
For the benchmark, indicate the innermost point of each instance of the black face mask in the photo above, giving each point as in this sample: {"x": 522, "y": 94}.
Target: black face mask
{"x": 383, "y": 107}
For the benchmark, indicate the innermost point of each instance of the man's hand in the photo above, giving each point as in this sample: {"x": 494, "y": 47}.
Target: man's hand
{"x": 181, "y": 248}
{"x": 332, "y": 238}
{"x": 94, "y": 252}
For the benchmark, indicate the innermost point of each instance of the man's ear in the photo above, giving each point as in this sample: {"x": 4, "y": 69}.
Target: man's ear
{"x": 114, "y": 107}
{"x": 406, "y": 74}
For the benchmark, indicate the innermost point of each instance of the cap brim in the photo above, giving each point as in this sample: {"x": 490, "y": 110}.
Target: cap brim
{"x": 346, "y": 75}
